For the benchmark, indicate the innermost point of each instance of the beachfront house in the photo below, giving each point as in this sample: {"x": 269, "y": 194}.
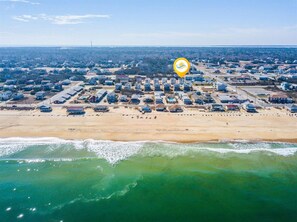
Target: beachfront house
{"x": 159, "y": 100}
{"x": 292, "y": 108}
{"x": 146, "y": 109}
{"x": 5, "y": 95}
{"x": 160, "y": 108}
{"x": 135, "y": 99}
{"x": 40, "y": 95}
{"x": 60, "y": 100}
{"x": 102, "y": 109}
{"x": 148, "y": 99}
{"x": 250, "y": 108}
{"x": 187, "y": 87}
{"x": 279, "y": 98}
{"x": 231, "y": 107}
{"x": 45, "y": 109}
{"x": 197, "y": 99}
{"x": 217, "y": 108}
{"x": 186, "y": 100}
{"x": 75, "y": 110}
{"x": 175, "y": 109}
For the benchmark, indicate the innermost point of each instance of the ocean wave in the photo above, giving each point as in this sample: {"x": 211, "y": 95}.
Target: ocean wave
{"x": 113, "y": 152}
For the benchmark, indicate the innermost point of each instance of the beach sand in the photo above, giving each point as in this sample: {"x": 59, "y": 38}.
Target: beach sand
{"x": 189, "y": 126}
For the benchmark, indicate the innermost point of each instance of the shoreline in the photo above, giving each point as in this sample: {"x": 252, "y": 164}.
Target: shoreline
{"x": 125, "y": 125}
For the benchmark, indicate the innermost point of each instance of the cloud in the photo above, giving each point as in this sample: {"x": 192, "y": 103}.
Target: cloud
{"x": 21, "y": 1}
{"x": 60, "y": 19}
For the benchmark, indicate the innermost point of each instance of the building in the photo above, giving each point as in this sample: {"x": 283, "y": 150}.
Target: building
{"x": 45, "y": 109}
{"x": 221, "y": 86}
{"x": 160, "y": 108}
{"x": 231, "y": 107}
{"x": 279, "y": 98}
{"x": 122, "y": 79}
{"x": 146, "y": 109}
{"x": 171, "y": 99}
{"x": 197, "y": 99}
{"x": 177, "y": 87}
{"x": 102, "y": 109}
{"x": 292, "y": 108}
{"x": 60, "y": 100}
{"x": 159, "y": 100}
{"x": 123, "y": 98}
{"x": 157, "y": 86}
{"x": 112, "y": 98}
{"x": 186, "y": 100}
{"x": 128, "y": 86}
{"x": 187, "y": 87}
{"x": 18, "y": 96}
{"x": 5, "y": 95}
{"x": 175, "y": 109}
{"x": 118, "y": 87}
{"x": 250, "y": 108}
{"x": 99, "y": 96}
{"x": 75, "y": 110}
{"x": 217, "y": 108}
{"x": 148, "y": 99}
{"x": 147, "y": 87}
{"x": 166, "y": 87}
{"x": 135, "y": 99}
{"x": 40, "y": 95}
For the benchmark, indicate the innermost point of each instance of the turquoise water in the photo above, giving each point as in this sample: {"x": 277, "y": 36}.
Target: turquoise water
{"x": 57, "y": 180}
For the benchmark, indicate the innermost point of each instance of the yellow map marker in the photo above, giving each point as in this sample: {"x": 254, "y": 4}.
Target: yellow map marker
{"x": 181, "y": 66}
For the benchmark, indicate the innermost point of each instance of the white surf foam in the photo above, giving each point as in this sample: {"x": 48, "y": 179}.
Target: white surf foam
{"x": 114, "y": 152}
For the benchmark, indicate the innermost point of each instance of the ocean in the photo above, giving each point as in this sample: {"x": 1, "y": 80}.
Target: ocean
{"x": 50, "y": 179}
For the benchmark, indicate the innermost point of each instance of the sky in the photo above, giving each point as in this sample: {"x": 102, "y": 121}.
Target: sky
{"x": 147, "y": 22}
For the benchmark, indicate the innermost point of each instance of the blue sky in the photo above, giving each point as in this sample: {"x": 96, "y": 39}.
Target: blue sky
{"x": 148, "y": 22}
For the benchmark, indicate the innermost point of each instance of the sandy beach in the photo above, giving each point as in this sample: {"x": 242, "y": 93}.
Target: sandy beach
{"x": 189, "y": 126}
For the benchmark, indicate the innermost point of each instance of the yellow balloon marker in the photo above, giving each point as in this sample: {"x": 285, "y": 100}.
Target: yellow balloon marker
{"x": 181, "y": 66}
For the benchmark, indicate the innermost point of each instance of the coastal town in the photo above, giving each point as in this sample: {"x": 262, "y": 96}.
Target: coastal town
{"x": 212, "y": 85}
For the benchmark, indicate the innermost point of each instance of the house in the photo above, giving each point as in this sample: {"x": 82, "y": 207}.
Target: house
{"x": 45, "y": 109}
{"x": 66, "y": 96}
{"x": 220, "y": 86}
{"x": 40, "y": 95}
{"x": 159, "y": 100}
{"x": 186, "y": 100}
{"x": 146, "y": 109}
{"x": 164, "y": 80}
{"x": 108, "y": 82}
{"x": 5, "y": 95}
{"x": 18, "y": 96}
{"x": 176, "y": 87}
{"x": 112, "y": 98}
{"x": 122, "y": 79}
{"x": 187, "y": 87}
{"x": 118, "y": 87}
{"x": 135, "y": 99}
{"x": 102, "y": 109}
{"x": 217, "y": 108}
{"x": 279, "y": 98}
{"x": 148, "y": 99}
{"x": 172, "y": 81}
{"x": 157, "y": 86}
{"x": 28, "y": 88}
{"x": 99, "y": 96}
{"x": 292, "y": 108}
{"x": 250, "y": 108}
{"x": 166, "y": 87}
{"x": 197, "y": 99}
{"x": 171, "y": 99}
{"x": 60, "y": 100}
{"x": 160, "y": 108}
{"x": 231, "y": 107}
{"x": 75, "y": 110}
{"x": 123, "y": 98}
{"x": 138, "y": 86}
{"x": 147, "y": 87}
{"x": 285, "y": 86}
{"x": 175, "y": 109}
{"x": 127, "y": 86}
